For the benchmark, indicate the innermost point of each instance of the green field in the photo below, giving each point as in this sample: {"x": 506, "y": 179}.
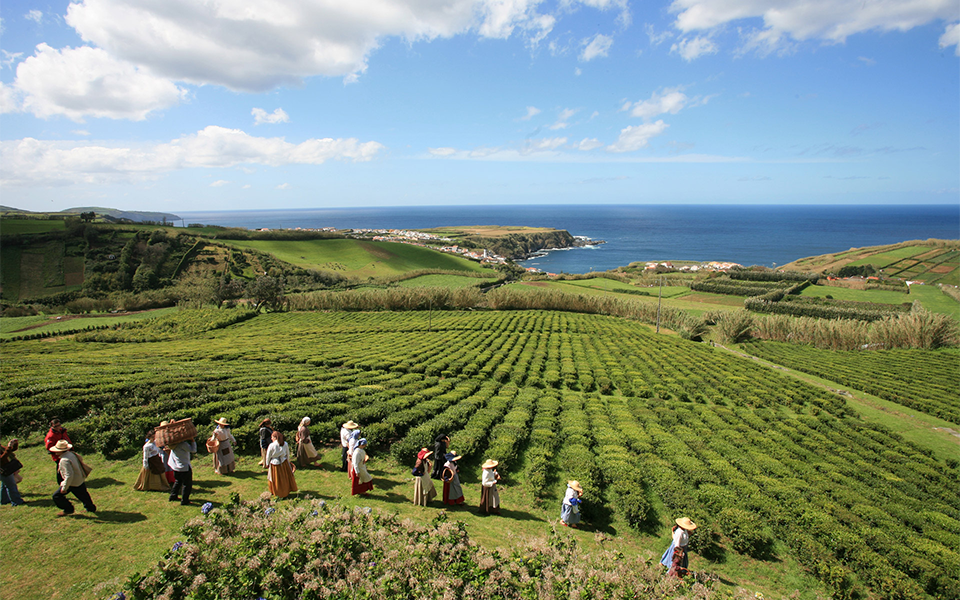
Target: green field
{"x": 445, "y": 281}
{"x": 839, "y": 293}
{"x": 934, "y": 300}
{"x": 359, "y": 258}
{"x": 15, "y": 326}
{"x": 781, "y": 474}
{"x": 27, "y": 226}
{"x": 679, "y": 297}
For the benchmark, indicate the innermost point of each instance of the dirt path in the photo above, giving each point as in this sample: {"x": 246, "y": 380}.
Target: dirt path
{"x": 63, "y": 318}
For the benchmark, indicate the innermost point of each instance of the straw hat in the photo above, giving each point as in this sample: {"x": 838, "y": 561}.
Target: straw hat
{"x": 162, "y": 423}
{"x": 490, "y": 464}
{"x": 686, "y": 523}
{"x": 350, "y": 425}
{"x": 575, "y": 485}
{"x": 452, "y": 456}
{"x": 61, "y": 446}
{"x": 222, "y": 421}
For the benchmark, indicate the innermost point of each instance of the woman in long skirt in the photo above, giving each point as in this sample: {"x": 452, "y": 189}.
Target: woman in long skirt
{"x": 423, "y": 490}
{"x": 148, "y": 480}
{"x": 266, "y": 437}
{"x": 681, "y": 538}
{"x": 280, "y": 479}
{"x": 452, "y": 492}
{"x": 362, "y": 481}
{"x": 306, "y": 453}
{"x": 570, "y": 507}
{"x": 489, "y": 497}
{"x": 224, "y": 462}
{"x": 352, "y": 440}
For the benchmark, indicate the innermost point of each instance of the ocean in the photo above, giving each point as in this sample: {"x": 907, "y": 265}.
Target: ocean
{"x": 768, "y": 235}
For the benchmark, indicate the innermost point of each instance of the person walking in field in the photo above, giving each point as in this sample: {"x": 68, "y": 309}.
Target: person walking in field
{"x": 56, "y": 433}
{"x": 280, "y": 479}
{"x": 352, "y": 441}
{"x": 423, "y": 490}
{"x": 180, "y": 462}
{"x": 570, "y": 507}
{"x": 266, "y": 438}
{"x": 681, "y": 539}
{"x": 440, "y": 444}
{"x": 10, "y": 474}
{"x": 73, "y": 480}
{"x": 345, "y": 430}
{"x": 152, "y": 474}
{"x": 306, "y": 453}
{"x": 362, "y": 481}
{"x": 224, "y": 460}
{"x": 489, "y": 497}
{"x": 452, "y": 490}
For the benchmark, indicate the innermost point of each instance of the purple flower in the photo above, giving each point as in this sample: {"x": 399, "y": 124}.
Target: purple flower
{"x": 270, "y": 510}
{"x": 119, "y": 596}
{"x": 177, "y": 546}
{"x": 206, "y": 508}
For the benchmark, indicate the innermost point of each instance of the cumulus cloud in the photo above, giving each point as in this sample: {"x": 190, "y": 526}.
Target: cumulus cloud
{"x": 261, "y": 116}
{"x": 565, "y": 115}
{"x": 831, "y": 21}
{"x": 532, "y": 111}
{"x": 951, "y": 37}
{"x": 589, "y": 144}
{"x": 667, "y": 100}
{"x": 256, "y": 45}
{"x": 31, "y": 161}
{"x": 82, "y": 82}
{"x": 637, "y": 136}
{"x": 596, "y": 47}
{"x": 34, "y": 15}
{"x": 690, "y": 49}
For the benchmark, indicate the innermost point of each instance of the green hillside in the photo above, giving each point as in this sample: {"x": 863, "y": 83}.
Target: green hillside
{"x": 930, "y": 261}
{"x": 359, "y": 258}
{"x": 782, "y": 475}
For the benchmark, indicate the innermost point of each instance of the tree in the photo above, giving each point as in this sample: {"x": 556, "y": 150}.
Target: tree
{"x": 266, "y": 291}
{"x": 87, "y": 217}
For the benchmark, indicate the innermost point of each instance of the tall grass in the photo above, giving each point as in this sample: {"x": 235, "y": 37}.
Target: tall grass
{"x": 388, "y": 299}
{"x": 917, "y": 329}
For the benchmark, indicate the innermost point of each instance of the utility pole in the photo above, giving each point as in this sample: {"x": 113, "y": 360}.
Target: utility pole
{"x": 659, "y": 300}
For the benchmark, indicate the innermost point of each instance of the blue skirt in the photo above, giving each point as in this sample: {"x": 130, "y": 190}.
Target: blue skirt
{"x": 568, "y": 516}
{"x": 667, "y": 558}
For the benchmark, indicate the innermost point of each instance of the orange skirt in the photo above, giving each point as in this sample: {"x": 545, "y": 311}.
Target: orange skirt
{"x": 280, "y": 480}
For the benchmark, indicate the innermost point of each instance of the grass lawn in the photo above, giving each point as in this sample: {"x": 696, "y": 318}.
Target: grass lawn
{"x": 839, "y": 293}
{"x": 883, "y": 259}
{"x": 359, "y": 258}
{"x": 445, "y": 281}
{"x": 55, "y": 323}
{"x": 132, "y": 530}
{"x": 673, "y": 296}
{"x": 934, "y": 300}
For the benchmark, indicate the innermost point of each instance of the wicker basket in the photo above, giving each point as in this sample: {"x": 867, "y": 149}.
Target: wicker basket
{"x": 175, "y": 432}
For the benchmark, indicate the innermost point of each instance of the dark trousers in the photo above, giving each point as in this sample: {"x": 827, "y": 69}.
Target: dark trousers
{"x": 182, "y": 484}
{"x": 56, "y": 467}
{"x": 80, "y": 491}
{"x": 343, "y": 458}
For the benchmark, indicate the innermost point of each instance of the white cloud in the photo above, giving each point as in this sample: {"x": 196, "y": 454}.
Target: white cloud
{"x": 690, "y": 49}
{"x": 442, "y": 151}
{"x": 532, "y": 111}
{"x": 951, "y": 37}
{"x": 219, "y": 183}
{"x": 283, "y": 186}
{"x": 667, "y": 100}
{"x": 256, "y": 45}
{"x": 34, "y": 15}
{"x": 656, "y": 38}
{"x": 31, "y": 161}
{"x": 596, "y": 47}
{"x": 565, "y": 115}
{"x": 261, "y": 116}
{"x": 828, "y": 20}
{"x": 88, "y": 82}
{"x": 82, "y": 132}
{"x": 589, "y": 144}
{"x": 9, "y": 99}
{"x": 637, "y": 136}
{"x": 247, "y": 187}
{"x": 9, "y": 58}
{"x": 542, "y": 145}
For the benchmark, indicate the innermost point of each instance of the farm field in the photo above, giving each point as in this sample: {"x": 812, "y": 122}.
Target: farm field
{"x": 27, "y": 226}
{"x": 42, "y": 324}
{"x": 839, "y": 293}
{"x": 359, "y": 258}
{"x": 777, "y": 472}
{"x": 936, "y": 301}
{"x": 446, "y": 281}
{"x": 679, "y": 297}
{"x": 931, "y": 261}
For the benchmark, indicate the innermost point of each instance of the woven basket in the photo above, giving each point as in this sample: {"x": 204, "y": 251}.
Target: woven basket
{"x": 175, "y": 432}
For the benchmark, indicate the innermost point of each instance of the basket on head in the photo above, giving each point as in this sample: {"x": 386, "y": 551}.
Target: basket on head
{"x": 175, "y": 432}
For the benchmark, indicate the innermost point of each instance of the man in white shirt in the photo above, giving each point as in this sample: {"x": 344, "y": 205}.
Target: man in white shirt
{"x": 179, "y": 461}
{"x": 74, "y": 480}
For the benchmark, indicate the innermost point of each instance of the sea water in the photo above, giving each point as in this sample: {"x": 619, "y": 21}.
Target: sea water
{"x": 768, "y": 235}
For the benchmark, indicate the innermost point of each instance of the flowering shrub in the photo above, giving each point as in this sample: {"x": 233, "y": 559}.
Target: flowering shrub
{"x": 309, "y": 550}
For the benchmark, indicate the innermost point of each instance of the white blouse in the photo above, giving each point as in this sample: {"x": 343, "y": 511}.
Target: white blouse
{"x": 489, "y": 478}
{"x": 149, "y": 449}
{"x": 278, "y": 452}
{"x": 681, "y": 537}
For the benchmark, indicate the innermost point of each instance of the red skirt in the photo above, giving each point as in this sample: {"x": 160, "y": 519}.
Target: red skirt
{"x": 446, "y": 495}
{"x": 359, "y": 488}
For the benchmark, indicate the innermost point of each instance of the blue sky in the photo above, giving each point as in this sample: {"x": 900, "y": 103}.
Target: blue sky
{"x": 170, "y": 105}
